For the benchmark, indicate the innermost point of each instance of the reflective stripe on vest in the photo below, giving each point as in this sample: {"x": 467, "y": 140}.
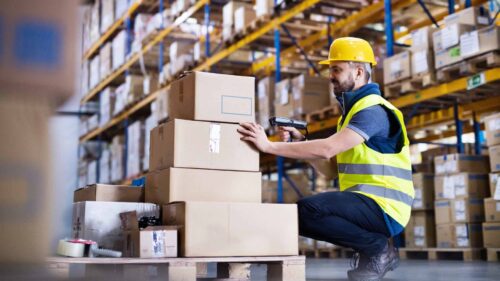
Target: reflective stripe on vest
{"x": 383, "y": 192}
{"x": 374, "y": 169}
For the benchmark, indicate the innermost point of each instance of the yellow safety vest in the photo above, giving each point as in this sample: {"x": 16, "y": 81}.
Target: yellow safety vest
{"x": 386, "y": 178}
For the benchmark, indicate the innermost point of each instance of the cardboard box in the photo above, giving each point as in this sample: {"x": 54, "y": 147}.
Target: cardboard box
{"x": 117, "y": 158}
{"x": 213, "y": 97}
{"x": 458, "y": 163}
{"x": 397, "y": 67}
{"x": 265, "y": 101}
{"x": 422, "y": 38}
{"x": 421, "y": 230}
{"x": 228, "y": 17}
{"x": 243, "y": 16}
{"x": 491, "y": 234}
{"x": 422, "y": 62}
{"x": 134, "y": 87}
{"x": 424, "y": 191}
{"x": 459, "y": 235}
{"x": 106, "y": 64}
{"x": 177, "y": 184}
{"x": 105, "y": 166}
{"x": 442, "y": 210}
{"x": 112, "y": 193}
{"x": 211, "y": 229}
{"x": 470, "y": 16}
{"x": 494, "y": 158}
{"x": 492, "y": 210}
{"x": 467, "y": 210}
{"x": 264, "y": 7}
{"x": 100, "y": 221}
{"x": 94, "y": 76}
{"x": 309, "y": 94}
{"x": 283, "y": 103}
{"x": 135, "y": 148}
{"x": 119, "y": 49}
{"x": 461, "y": 185}
{"x": 204, "y": 145}
{"x": 107, "y": 14}
{"x": 492, "y": 126}
{"x": 106, "y": 104}
{"x": 480, "y": 41}
{"x": 495, "y": 185}
{"x": 290, "y": 195}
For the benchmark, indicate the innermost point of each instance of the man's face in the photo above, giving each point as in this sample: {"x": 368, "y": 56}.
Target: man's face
{"x": 342, "y": 77}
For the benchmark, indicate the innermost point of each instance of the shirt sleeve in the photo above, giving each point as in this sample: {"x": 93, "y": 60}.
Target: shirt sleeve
{"x": 371, "y": 121}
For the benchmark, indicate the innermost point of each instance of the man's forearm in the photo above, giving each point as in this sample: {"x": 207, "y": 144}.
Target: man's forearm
{"x": 307, "y": 150}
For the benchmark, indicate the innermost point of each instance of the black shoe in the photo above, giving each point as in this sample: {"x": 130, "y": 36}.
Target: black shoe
{"x": 375, "y": 267}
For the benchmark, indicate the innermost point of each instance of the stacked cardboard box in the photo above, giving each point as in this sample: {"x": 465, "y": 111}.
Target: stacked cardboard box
{"x": 117, "y": 158}
{"x": 228, "y": 17}
{"x": 461, "y": 184}
{"x": 243, "y": 16}
{"x": 135, "y": 148}
{"x": 283, "y": 101}
{"x": 213, "y": 195}
{"x": 309, "y": 94}
{"x": 290, "y": 195}
{"x": 397, "y": 67}
{"x": 422, "y": 54}
{"x": 491, "y": 228}
{"x": 264, "y": 8}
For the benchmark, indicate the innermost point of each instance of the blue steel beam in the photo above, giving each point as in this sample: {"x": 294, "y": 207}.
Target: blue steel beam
{"x": 207, "y": 33}
{"x": 477, "y": 134}
{"x": 280, "y": 160}
{"x": 451, "y": 6}
{"x": 459, "y": 128}
{"x": 428, "y": 13}
{"x": 389, "y": 32}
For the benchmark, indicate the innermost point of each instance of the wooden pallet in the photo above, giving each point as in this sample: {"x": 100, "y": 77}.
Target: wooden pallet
{"x": 248, "y": 29}
{"x": 279, "y": 268}
{"x": 465, "y": 254}
{"x": 493, "y": 254}
{"x": 411, "y": 85}
{"x": 469, "y": 66}
{"x": 322, "y": 114}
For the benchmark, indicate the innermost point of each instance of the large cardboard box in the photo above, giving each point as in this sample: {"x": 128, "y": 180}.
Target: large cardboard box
{"x": 470, "y": 16}
{"x": 492, "y": 210}
{"x": 100, "y": 221}
{"x": 421, "y": 230}
{"x": 462, "y": 185}
{"x": 480, "y": 41}
{"x": 112, "y": 193}
{"x": 492, "y": 126}
{"x": 107, "y": 105}
{"x": 204, "y": 145}
{"x": 265, "y": 101}
{"x": 213, "y": 97}
{"x": 135, "y": 148}
{"x": 264, "y": 7}
{"x": 424, "y": 191}
{"x": 446, "y": 43}
{"x": 491, "y": 234}
{"x": 397, "y": 67}
{"x": 442, "y": 209}
{"x": 422, "y": 38}
{"x": 177, "y": 184}
{"x": 495, "y": 185}
{"x": 309, "y": 93}
{"x": 243, "y": 16}
{"x": 458, "y": 163}
{"x": 467, "y": 210}
{"x": 119, "y": 49}
{"x": 422, "y": 62}
{"x": 283, "y": 103}
{"x": 494, "y": 158}
{"x": 460, "y": 235}
{"x": 211, "y": 229}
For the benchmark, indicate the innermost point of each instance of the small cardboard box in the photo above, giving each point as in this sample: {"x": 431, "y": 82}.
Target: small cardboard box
{"x": 424, "y": 191}
{"x": 421, "y": 230}
{"x": 112, "y": 193}
{"x": 204, "y": 145}
{"x": 422, "y": 38}
{"x": 443, "y": 211}
{"x": 470, "y": 16}
{"x": 494, "y": 158}
{"x": 283, "y": 103}
{"x": 461, "y": 163}
{"x": 480, "y": 41}
{"x": 495, "y": 185}
{"x": 243, "y": 16}
{"x": 397, "y": 67}
{"x": 177, "y": 184}
{"x": 460, "y": 235}
{"x": 492, "y": 210}
{"x": 212, "y": 229}
{"x": 492, "y": 126}
{"x": 491, "y": 234}
{"x": 213, "y": 97}
{"x": 467, "y": 210}
{"x": 309, "y": 94}
{"x": 422, "y": 62}
{"x": 462, "y": 185}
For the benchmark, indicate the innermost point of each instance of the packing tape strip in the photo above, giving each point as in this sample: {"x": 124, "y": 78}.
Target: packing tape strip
{"x": 69, "y": 249}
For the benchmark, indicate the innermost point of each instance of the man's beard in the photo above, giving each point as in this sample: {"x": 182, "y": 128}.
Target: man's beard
{"x": 346, "y": 86}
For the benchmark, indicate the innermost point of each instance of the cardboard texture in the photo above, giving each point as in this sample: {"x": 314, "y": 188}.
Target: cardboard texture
{"x": 422, "y": 38}
{"x": 421, "y": 230}
{"x": 309, "y": 94}
{"x": 459, "y": 235}
{"x": 442, "y": 209}
{"x": 265, "y": 101}
{"x": 422, "y": 62}
{"x": 462, "y": 185}
{"x": 234, "y": 229}
{"x": 283, "y": 103}
{"x": 494, "y": 158}
{"x": 243, "y": 16}
{"x": 480, "y": 41}
{"x": 213, "y": 97}
{"x": 195, "y": 144}
{"x": 492, "y": 210}
{"x": 491, "y": 234}
{"x": 100, "y": 221}
{"x": 495, "y": 185}
{"x": 492, "y": 129}
{"x": 470, "y": 16}
{"x": 397, "y": 67}
{"x": 177, "y": 184}
{"x": 467, "y": 210}
{"x": 112, "y": 193}
{"x": 424, "y": 191}
{"x": 457, "y": 163}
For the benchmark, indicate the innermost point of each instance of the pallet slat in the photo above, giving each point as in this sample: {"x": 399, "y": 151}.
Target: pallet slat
{"x": 465, "y": 254}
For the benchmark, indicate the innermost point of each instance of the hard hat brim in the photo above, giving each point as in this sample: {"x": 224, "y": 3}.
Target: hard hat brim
{"x": 327, "y": 62}
{"x": 324, "y": 62}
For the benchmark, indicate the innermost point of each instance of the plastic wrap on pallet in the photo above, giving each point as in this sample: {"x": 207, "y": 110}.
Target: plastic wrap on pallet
{"x": 135, "y": 148}
{"x": 105, "y": 166}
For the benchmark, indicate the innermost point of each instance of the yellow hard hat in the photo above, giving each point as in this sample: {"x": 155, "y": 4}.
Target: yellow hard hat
{"x": 350, "y": 49}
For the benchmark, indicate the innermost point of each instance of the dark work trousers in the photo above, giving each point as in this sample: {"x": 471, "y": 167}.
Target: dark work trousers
{"x": 347, "y": 219}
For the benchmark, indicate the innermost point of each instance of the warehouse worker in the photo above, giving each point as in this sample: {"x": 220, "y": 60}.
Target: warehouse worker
{"x": 370, "y": 153}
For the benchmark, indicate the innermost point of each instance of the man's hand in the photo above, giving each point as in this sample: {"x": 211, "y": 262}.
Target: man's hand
{"x": 255, "y": 134}
{"x": 286, "y": 132}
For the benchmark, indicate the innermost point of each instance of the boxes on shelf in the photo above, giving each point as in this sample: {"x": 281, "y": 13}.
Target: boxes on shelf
{"x": 213, "y": 97}
{"x": 105, "y": 60}
{"x": 494, "y": 158}
{"x": 110, "y": 193}
{"x": 178, "y": 184}
{"x": 106, "y": 104}
{"x": 309, "y": 94}
{"x": 264, "y": 7}
{"x": 421, "y": 230}
{"x": 442, "y": 210}
{"x": 161, "y": 105}
{"x": 95, "y": 22}
{"x": 234, "y": 229}
{"x": 116, "y": 148}
{"x": 397, "y": 67}
{"x": 149, "y": 125}
{"x": 119, "y": 49}
{"x": 196, "y": 144}
{"x": 135, "y": 148}
{"x": 100, "y": 221}
{"x": 424, "y": 191}
{"x": 480, "y": 41}
{"x": 94, "y": 75}
{"x": 457, "y": 163}
{"x": 228, "y": 17}
{"x": 134, "y": 87}
{"x": 283, "y": 103}
{"x": 460, "y": 235}
{"x": 492, "y": 126}
{"x": 462, "y": 185}
{"x": 107, "y": 14}
{"x": 265, "y": 101}
{"x": 492, "y": 210}
{"x": 150, "y": 83}
{"x": 494, "y": 179}
{"x": 491, "y": 234}
{"x": 422, "y": 38}
{"x": 105, "y": 166}
{"x": 243, "y": 16}
{"x": 467, "y": 210}
{"x": 471, "y": 16}
{"x": 120, "y": 99}
{"x": 180, "y": 63}
{"x": 447, "y": 44}
{"x": 270, "y": 189}
{"x": 140, "y": 29}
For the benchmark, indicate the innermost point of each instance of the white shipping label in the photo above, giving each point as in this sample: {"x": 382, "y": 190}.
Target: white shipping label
{"x": 450, "y": 166}
{"x": 419, "y": 38}
{"x": 462, "y": 241}
{"x": 262, "y": 90}
{"x": 494, "y": 124}
{"x": 459, "y": 183}
{"x": 498, "y": 206}
{"x": 419, "y": 241}
{"x": 419, "y": 231}
{"x": 420, "y": 62}
{"x": 214, "y": 144}
{"x": 450, "y": 36}
{"x": 395, "y": 66}
{"x": 448, "y": 187}
{"x": 497, "y": 190}
{"x": 296, "y": 93}
{"x": 158, "y": 242}
{"x": 284, "y": 96}
{"x": 469, "y": 43}
{"x": 460, "y": 210}
{"x": 418, "y": 194}
{"x": 440, "y": 168}
{"x": 461, "y": 230}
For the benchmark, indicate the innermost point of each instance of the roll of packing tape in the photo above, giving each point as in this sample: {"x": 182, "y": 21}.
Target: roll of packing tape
{"x": 69, "y": 249}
